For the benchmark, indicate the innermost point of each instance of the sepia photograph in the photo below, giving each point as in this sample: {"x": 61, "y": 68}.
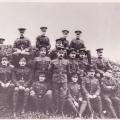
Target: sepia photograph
{"x": 59, "y": 60}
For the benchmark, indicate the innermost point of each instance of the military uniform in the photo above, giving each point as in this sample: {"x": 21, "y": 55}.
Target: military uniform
{"x": 22, "y": 43}
{"x": 59, "y": 68}
{"x": 91, "y": 86}
{"x": 43, "y": 99}
{"x": 22, "y": 78}
{"x": 75, "y": 96}
{"x": 6, "y": 83}
{"x": 41, "y": 65}
{"x": 109, "y": 91}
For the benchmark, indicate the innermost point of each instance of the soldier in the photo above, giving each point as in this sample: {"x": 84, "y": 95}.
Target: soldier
{"x": 59, "y": 68}
{"x": 91, "y": 90}
{"x": 75, "y": 99}
{"x": 101, "y": 65}
{"x": 41, "y": 93}
{"x": 42, "y": 62}
{"x": 65, "y": 42}
{"x": 43, "y": 40}
{"x": 82, "y": 64}
{"x": 109, "y": 94}
{"x": 22, "y": 45}
{"x": 22, "y": 77}
{"x": 6, "y": 83}
{"x": 58, "y": 45}
{"x": 78, "y": 44}
{"x": 72, "y": 63}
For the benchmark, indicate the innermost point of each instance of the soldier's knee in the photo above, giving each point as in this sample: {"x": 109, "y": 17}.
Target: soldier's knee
{"x": 49, "y": 93}
{"x": 108, "y": 100}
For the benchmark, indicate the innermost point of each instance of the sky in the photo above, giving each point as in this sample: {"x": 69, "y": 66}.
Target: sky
{"x": 99, "y": 23}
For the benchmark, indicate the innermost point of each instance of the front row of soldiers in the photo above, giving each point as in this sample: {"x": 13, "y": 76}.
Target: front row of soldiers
{"x": 53, "y": 84}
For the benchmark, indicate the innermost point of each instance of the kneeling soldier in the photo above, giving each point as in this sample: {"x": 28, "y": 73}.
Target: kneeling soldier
{"x": 109, "y": 91}
{"x": 41, "y": 94}
{"x": 75, "y": 99}
{"x": 22, "y": 77}
{"x": 91, "y": 89}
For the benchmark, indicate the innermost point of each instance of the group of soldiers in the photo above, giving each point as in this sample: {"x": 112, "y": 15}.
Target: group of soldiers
{"x": 59, "y": 81}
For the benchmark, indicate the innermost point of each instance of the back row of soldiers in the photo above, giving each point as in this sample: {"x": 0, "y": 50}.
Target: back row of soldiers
{"x": 65, "y": 76}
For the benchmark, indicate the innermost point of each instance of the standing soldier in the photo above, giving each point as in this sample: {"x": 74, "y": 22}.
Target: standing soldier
{"x": 91, "y": 90}
{"x": 82, "y": 64}
{"x": 22, "y": 45}
{"x": 43, "y": 40}
{"x": 72, "y": 63}
{"x": 22, "y": 78}
{"x": 59, "y": 68}
{"x": 75, "y": 100}
{"x": 6, "y": 83}
{"x": 101, "y": 65}
{"x": 42, "y": 62}
{"x": 109, "y": 94}
{"x": 78, "y": 44}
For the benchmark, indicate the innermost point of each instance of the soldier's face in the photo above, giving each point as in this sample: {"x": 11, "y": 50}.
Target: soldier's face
{"x": 60, "y": 54}
{"x": 41, "y": 78}
{"x": 22, "y": 62}
{"x": 59, "y": 44}
{"x": 4, "y": 61}
{"x": 72, "y": 55}
{"x": 43, "y": 32}
{"x": 42, "y": 52}
{"x": 91, "y": 73}
{"x": 65, "y": 35}
{"x": 74, "y": 79}
{"x": 81, "y": 55}
{"x": 100, "y": 54}
{"x": 77, "y": 35}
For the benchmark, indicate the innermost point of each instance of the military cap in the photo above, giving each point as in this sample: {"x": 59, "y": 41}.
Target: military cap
{"x": 41, "y": 75}
{"x": 21, "y": 30}
{"x": 78, "y": 32}
{"x": 65, "y": 31}
{"x": 99, "y": 49}
{"x": 2, "y": 39}
{"x": 61, "y": 48}
{"x": 43, "y": 47}
{"x": 59, "y": 39}
{"x": 82, "y": 51}
{"x": 43, "y": 29}
{"x": 74, "y": 74}
{"x": 90, "y": 68}
{"x": 71, "y": 50}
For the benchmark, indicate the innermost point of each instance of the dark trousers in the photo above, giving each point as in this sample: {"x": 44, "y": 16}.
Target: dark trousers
{"x": 59, "y": 94}
{"x": 113, "y": 105}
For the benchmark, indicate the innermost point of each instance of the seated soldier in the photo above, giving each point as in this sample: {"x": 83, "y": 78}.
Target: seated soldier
{"x": 22, "y": 45}
{"x": 75, "y": 99}
{"x": 43, "y": 40}
{"x": 22, "y": 77}
{"x": 6, "y": 83}
{"x": 109, "y": 94}
{"x": 91, "y": 90}
{"x": 41, "y": 94}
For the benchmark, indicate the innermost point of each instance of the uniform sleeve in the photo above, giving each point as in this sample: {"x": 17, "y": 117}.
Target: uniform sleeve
{"x": 71, "y": 44}
{"x": 97, "y": 93}
{"x": 84, "y": 86}
{"x": 37, "y": 42}
{"x": 49, "y": 45}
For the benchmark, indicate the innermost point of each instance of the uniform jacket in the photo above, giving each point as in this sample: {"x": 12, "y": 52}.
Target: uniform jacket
{"x": 91, "y": 86}
{"x": 42, "y": 41}
{"x": 59, "y": 70}
{"x": 74, "y": 91}
{"x": 40, "y": 88}
{"x": 109, "y": 82}
{"x": 65, "y": 42}
{"x": 77, "y": 44}
{"x": 5, "y": 73}
{"x": 22, "y": 75}
{"x": 22, "y": 43}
